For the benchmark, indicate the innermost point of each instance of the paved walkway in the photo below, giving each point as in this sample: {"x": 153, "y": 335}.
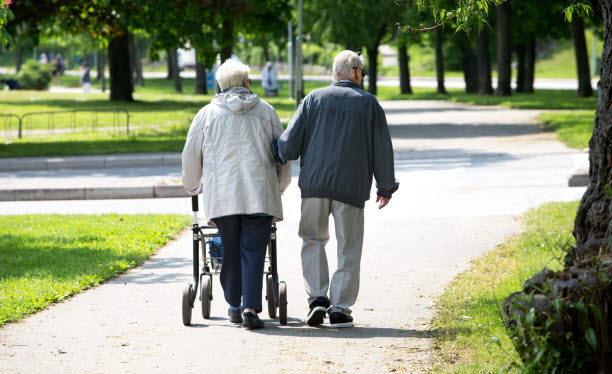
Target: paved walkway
{"x": 465, "y": 173}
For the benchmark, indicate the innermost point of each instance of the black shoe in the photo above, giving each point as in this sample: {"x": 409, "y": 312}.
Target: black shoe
{"x": 318, "y": 308}
{"x": 252, "y": 321}
{"x": 339, "y": 319}
{"x": 235, "y": 315}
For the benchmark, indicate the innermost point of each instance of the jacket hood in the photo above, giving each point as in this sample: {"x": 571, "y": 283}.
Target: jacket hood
{"x": 238, "y": 100}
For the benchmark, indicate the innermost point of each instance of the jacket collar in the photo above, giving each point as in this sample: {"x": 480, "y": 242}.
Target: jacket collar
{"x": 346, "y": 84}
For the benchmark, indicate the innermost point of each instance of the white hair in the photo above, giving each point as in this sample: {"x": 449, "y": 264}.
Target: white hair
{"x": 231, "y": 74}
{"x": 344, "y": 62}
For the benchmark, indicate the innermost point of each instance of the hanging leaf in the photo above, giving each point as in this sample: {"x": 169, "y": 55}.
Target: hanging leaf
{"x": 591, "y": 338}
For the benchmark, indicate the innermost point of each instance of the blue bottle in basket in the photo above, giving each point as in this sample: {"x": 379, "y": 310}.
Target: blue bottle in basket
{"x": 215, "y": 250}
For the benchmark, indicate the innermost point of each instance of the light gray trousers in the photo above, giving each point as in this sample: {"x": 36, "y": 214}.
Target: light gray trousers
{"x": 314, "y": 230}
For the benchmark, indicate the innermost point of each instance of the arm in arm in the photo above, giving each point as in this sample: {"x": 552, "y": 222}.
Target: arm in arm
{"x": 289, "y": 145}
{"x": 192, "y": 156}
{"x": 283, "y": 171}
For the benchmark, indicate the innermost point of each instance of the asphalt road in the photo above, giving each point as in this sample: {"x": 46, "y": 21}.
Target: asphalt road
{"x": 466, "y": 173}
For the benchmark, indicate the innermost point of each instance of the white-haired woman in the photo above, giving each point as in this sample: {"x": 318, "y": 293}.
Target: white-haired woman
{"x": 229, "y": 150}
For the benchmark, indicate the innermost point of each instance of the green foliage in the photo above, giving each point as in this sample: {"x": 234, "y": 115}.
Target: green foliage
{"x": 46, "y": 258}
{"x": 461, "y": 15}
{"x": 5, "y": 16}
{"x": 579, "y": 8}
{"x": 34, "y": 75}
{"x": 534, "y": 337}
{"x": 470, "y": 336}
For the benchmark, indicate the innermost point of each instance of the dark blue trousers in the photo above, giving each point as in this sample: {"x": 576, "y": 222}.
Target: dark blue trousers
{"x": 245, "y": 239}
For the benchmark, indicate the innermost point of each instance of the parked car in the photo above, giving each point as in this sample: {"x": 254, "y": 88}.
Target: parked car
{"x": 186, "y": 58}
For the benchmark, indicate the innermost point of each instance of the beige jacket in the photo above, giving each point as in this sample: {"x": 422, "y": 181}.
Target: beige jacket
{"x": 228, "y": 156}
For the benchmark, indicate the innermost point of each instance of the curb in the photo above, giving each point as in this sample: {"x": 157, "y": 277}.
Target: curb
{"x": 90, "y": 162}
{"x": 579, "y": 180}
{"x": 98, "y": 193}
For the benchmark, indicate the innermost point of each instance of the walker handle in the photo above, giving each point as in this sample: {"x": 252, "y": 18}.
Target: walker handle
{"x": 194, "y": 203}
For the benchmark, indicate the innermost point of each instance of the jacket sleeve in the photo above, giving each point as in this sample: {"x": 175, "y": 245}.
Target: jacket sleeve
{"x": 291, "y": 142}
{"x": 283, "y": 171}
{"x": 384, "y": 169}
{"x": 192, "y": 156}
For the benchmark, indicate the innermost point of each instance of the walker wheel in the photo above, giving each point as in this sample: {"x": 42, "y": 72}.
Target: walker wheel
{"x": 270, "y": 297}
{"x": 187, "y": 304}
{"x": 282, "y": 302}
{"x": 206, "y": 297}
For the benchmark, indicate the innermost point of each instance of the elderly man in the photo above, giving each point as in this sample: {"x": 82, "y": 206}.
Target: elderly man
{"x": 341, "y": 136}
{"x": 229, "y": 146}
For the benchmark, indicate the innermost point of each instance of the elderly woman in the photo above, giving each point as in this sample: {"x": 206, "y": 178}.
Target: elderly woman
{"x": 229, "y": 148}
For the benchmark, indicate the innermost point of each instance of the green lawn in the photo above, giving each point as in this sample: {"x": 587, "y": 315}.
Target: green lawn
{"x": 469, "y": 311}
{"x": 574, "y": 128}
{"x": 541, "y": 99}
{"x": 160, "y": 118}
{"x": 46, "y": 258}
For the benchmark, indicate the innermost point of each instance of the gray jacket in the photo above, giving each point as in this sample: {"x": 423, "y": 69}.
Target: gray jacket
{"x": 341, "y": 136}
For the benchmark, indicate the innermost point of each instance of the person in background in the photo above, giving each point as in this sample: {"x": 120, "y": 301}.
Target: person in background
{"x": 11, "y": 84}
{"x": 341, "y": 137}
{"x": 269, "y": 80}
{"x": 58, "y": 70}
{"x": 85, "y": 77}
{"x": 229, "y": 147}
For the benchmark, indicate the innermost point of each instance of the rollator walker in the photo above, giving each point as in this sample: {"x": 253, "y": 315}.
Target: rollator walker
{"x": 207, "y": 237}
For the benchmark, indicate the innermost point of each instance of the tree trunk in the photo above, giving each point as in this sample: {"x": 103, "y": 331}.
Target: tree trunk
{"x": 485, "y": 87}
{"x": 404, "y": 70}
{"x": 469, "y": 64}
{"x": 594, "y": 214}
{"x": 521, "y": 52}
{"x": 120, "y": 70}
{"x": 504, "y": 50}
{"x": 227, "y": 45}
{"x": 582, "y": 58}
{"x": 176, "y": 74}
{"x": 372, "y": 69}
{"x": 170, "y": 66}
{"x": 439, "y": 61}
{"x": 266, "y": 53}
{"x": 135, "y": 60}
{"x": 18, "y": 59}
{"x": 101, "y": 75}
{"x": 200, "y": 79}
{"x": 530, "y": 54}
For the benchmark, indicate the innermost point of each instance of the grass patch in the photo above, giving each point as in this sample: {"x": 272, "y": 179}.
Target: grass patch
{"x": 469, "y": 312}
{"x": 46, "y": 258}
{"x": 160, "y": 118}
{"x": 574, "y": 129}
{"x": 541, "y": 99}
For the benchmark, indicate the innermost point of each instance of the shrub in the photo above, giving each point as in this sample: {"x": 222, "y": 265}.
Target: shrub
{"x": 34, "y": 75}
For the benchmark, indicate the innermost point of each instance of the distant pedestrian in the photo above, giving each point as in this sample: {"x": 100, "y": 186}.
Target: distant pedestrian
{"x": 58, "y": 69}
{"x": 341, "y": 137}
{"x": 269, "y": 80}
{"x": 229, "y": 147}
{"x": 11, "y": 84}
{"x": 85, "y": 78}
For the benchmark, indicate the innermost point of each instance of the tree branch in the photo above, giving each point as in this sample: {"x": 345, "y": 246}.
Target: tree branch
{"x": 415, "y": 30}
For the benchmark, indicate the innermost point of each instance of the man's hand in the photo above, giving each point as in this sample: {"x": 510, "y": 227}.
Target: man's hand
{"x": 383, "y": 201}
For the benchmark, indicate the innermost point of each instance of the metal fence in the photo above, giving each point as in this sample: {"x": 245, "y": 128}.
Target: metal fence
{"x": 9, "y": 124}
{"x": 116, "y": 120}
